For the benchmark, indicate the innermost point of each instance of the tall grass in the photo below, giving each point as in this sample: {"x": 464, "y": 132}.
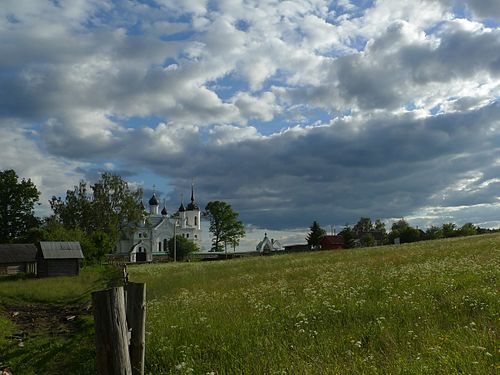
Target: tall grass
{"x": 425, "y": 308}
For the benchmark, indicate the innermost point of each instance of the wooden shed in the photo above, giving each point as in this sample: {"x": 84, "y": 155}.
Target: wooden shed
{"x": 59, "y": 258}
{"x": 17, "y": 258}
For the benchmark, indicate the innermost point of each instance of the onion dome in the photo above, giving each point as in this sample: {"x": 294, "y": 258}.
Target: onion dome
{"x": 182, "y": 208}
{"x": 192, "y": 206}
{"x": 153, "y": 201}
{"x": 164, "y": 211}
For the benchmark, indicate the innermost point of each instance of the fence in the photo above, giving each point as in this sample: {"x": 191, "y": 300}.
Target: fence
{"x": 119, "y": 321}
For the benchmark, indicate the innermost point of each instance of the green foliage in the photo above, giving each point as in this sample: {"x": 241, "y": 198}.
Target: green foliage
{"x": 349, "y": 236}
{"x": 449, "y": 230}
{"x": 183, "y": 248}
{"x": 433, "y": 233}
{"x": 224, "y": 225}
{"x": 93, "y": 245}
{"x": 468, "y": 229}
{"x": 406, "y": 233}
{"x": 17, "y": 201}
{"x": 367, "y": 240}
{"x": 103, "y": 213}
{"x": 364, "y": 225}
{"x": 315, "y": 235}
{"x": 379, "y": 226}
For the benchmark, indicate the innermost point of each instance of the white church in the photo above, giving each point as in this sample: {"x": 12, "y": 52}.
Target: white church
{"x": 150, "y": 237}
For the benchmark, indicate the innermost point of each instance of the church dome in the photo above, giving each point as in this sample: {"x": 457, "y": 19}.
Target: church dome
{"x": 164, "y": 211}
{"x": 192, "y": 206}
{"x": 153, "y": 201}
{"x": 182, "y": 208}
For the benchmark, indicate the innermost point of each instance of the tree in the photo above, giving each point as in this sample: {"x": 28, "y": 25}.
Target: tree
{"x": 348, "y": 235}
{"x": 449, "y": 230}
{"x": 367, "y": 240}
{"x": 468, "y": 229}
{"x": 404, "y": 231}
{"x": 380, "y": 226}
{"x": 93, "y": 246}
{"x": 433, "y": 233}
{"x": 104, "y": 213}
{"x": 315, "y": 236}
{"x": 183, "y": 247}
{"x": 17, "y": 201}
{"x": 224, "y": 224}
{"x": 364, "y": 225}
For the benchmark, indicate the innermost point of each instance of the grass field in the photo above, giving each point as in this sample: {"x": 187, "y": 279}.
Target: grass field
{"x": 37, "y": 333}
{"x": 424, "y": 308}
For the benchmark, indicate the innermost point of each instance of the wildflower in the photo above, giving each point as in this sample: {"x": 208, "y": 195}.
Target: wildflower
{"x": 180, "y": 365}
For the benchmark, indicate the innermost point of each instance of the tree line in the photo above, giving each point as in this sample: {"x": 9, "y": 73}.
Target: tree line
{"x": 96, "y": 215}
{"x": 366, "y": 233}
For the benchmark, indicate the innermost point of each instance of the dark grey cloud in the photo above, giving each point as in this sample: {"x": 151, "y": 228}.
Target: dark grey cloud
{"x": 385, "y": 167}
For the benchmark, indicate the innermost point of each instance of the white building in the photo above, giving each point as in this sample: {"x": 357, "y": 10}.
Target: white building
{"x": 150, "y": 237}
{"x": 268, "y": 245}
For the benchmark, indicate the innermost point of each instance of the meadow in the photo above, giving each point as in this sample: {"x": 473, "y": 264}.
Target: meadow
{"x": 423, "y": 308}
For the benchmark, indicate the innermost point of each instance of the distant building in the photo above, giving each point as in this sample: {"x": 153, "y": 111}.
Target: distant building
{"x": 332, "y": 242}
{"x": 58, "y": 258}
{"x": 267, "y": 246}
{"x": 149, "y": 238}
{"x": 17, "y": 258}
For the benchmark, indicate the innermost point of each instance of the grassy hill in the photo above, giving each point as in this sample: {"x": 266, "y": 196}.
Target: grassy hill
{"x": 424, "y": 308}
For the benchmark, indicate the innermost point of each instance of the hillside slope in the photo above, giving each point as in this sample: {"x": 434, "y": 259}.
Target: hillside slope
{"x": 424, "y": 308}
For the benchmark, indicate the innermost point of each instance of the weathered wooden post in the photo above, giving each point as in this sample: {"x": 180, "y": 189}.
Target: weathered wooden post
{"x": 111, "y": 332}
{"x": 136, "y": 318}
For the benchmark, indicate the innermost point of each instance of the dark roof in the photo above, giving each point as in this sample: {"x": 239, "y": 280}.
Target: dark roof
{"x": 153, "y": 201}
{"x": 17, "y": 253}
{"x": 164, "y": 211}
{"x": 182, "y": 208}
{"x": 192, "y": 206}
{"x": 61, "y": 250}
{"x": 332, "y": 239}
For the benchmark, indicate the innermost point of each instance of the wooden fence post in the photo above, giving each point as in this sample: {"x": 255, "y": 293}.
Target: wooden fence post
{"x": 136, "y": 318}
{"x": 111, "y": 332}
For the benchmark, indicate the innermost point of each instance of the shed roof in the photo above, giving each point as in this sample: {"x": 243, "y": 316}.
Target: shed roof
{"x": 17, "y": 253}
{"x": 61, "y": 250}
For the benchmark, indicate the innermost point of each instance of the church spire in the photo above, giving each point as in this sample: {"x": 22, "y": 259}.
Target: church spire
{"x": 192, "y": 206}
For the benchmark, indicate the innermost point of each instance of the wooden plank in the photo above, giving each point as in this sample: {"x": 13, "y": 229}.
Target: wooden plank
{"x": 136, "y": 318}
{"x": 111, "y": 334}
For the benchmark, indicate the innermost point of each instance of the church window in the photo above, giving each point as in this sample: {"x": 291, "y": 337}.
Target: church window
{"x": 159, "y": 246}
{"x": 140, "y": 235}
{"x": 195, "y": 236}
{"x": 187, "y": 235}
{"x": 196, "y": 220}
{"x": 187, "y": 222}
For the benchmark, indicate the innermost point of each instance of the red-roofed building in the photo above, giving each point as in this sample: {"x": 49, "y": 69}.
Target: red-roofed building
{"x": 332, "y": 242}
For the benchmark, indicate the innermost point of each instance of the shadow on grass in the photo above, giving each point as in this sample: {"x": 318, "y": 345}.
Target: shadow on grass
{"x": 72, "y": 353}
{"x": 52, "y": 342}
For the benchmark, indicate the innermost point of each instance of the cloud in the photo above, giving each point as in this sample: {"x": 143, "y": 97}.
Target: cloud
{"x": 21, "y": 151}
{"x": 292, "y": 111}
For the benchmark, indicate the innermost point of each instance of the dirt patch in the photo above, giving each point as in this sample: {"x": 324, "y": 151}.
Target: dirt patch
{"x": 41, "y": 319}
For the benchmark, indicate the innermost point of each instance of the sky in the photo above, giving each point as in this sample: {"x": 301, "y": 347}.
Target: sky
{"x": 291, "y": 111}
